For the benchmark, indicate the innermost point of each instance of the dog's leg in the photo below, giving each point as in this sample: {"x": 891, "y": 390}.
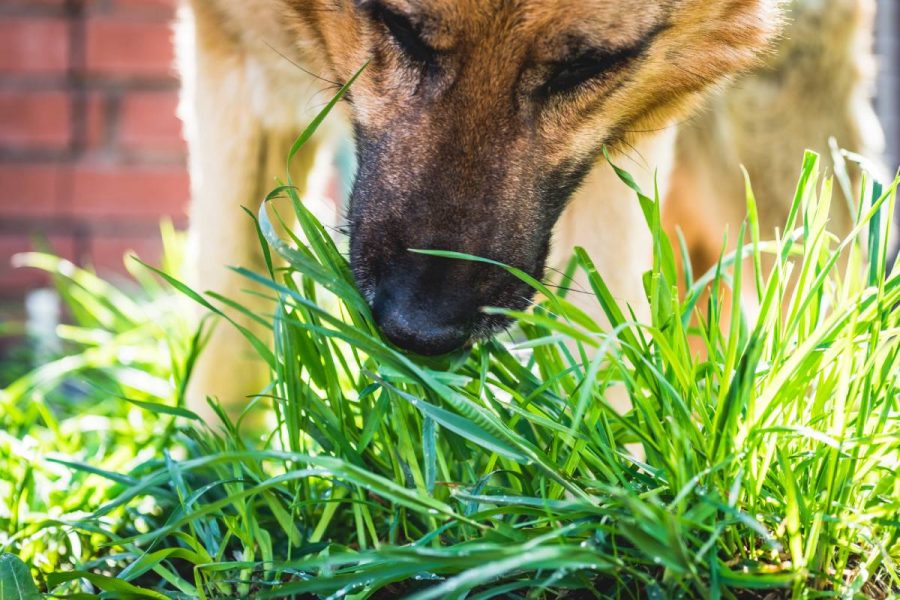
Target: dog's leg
{"x": 605, "y": 218}
{"x": 235, "y": 157}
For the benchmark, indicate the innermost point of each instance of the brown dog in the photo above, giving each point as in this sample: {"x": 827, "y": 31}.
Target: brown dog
{"x": 478, "y": 128}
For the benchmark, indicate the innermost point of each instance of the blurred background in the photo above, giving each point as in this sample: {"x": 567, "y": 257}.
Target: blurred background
{"x": 91, "y": 155}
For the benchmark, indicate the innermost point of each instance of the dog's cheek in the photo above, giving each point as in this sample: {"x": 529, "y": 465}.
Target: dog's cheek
{"x": 339, "y": 36}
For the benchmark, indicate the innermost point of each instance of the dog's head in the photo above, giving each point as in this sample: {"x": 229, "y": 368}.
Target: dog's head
{"x": 476, "y": 120}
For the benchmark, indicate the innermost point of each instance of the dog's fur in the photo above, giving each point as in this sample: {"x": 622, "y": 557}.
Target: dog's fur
{"x": 479, "y": 125}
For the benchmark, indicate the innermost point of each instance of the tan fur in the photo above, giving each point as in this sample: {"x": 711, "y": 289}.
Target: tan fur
{"x": 244, "y": 100}
{"x": 817, "y": 84}
{"x": 239, "y": 124}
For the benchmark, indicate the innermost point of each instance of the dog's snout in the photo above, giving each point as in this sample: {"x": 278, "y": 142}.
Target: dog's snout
{"x": 422, "y": 315}
{"x": 420, "y": 331}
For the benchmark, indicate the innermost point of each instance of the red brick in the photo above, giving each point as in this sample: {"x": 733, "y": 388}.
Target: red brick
{"x": 147, "y": 192}
{"x": 155, "y": 9}
{"x": 35, "y": 119}
{"x": 108, "y": 255}
{"x": 148, "y": 123}
{"x": 129, "y": 48}
{"x": 14, "y": 282}
{"x": 162, "y": 7}
{"x": 96, "y": 121}
{"x": 31, "y": 190}
{"x": 34, "y": 46}
{"x": 36, "y": 5}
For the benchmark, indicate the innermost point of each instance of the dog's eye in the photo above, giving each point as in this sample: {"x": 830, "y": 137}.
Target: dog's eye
{"x": 406, "y": 34}
{"x": 569, "y": 75}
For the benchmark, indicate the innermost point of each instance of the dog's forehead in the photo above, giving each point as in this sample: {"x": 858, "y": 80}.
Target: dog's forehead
{"x": 594, "y": 23}
{"x": 597, "y": 22}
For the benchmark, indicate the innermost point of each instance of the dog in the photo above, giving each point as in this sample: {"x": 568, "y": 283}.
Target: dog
{"x": 479, "y": 127}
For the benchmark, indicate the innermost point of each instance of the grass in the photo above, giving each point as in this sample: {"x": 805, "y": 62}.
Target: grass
{"x": 765, "y": 463}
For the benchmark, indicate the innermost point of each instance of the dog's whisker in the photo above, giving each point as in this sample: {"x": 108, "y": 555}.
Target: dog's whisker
{"x": 564, "y": 276}
{"x": 645, "y": 165}
{"x": 301, "y": 67}
{"x": 673, "y": 125}
{"x": 567, "y": 289}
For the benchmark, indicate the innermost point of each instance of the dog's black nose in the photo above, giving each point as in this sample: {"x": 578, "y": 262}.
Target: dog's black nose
{"x": 427, "y": 328}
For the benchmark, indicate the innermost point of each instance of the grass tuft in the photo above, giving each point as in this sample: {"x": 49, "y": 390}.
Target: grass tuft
{"x": 768, "y": 461}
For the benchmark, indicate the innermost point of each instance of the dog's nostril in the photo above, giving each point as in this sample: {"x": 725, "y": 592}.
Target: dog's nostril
{"x": 418, "y": 329}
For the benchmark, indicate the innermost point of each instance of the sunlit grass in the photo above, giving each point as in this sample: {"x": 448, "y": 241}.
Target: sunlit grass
{"x": 767, "y": 461}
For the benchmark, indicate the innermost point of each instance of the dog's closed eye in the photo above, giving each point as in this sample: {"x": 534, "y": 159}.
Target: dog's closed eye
{"x": 405, "y": 33}
{"x": 569, "y": 75}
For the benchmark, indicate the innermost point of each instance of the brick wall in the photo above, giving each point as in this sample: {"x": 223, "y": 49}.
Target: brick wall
{"x": 91, "y": 155}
